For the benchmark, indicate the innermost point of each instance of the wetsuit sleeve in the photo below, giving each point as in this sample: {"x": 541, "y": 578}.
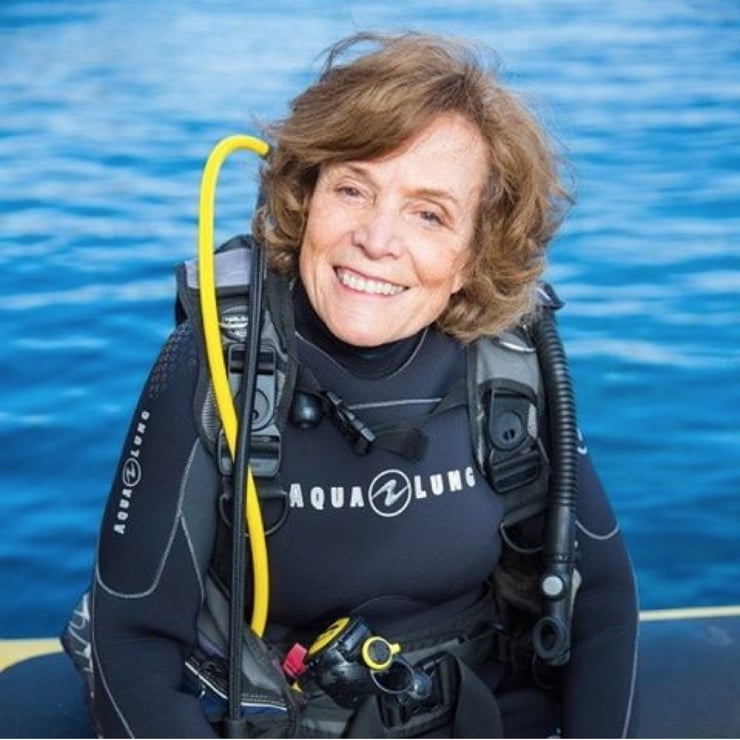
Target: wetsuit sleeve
{"x": 154, "y": 547}
{"x": 599, "y": 685}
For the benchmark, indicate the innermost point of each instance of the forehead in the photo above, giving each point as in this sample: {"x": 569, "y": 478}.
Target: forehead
{"x": 449, "y": 155}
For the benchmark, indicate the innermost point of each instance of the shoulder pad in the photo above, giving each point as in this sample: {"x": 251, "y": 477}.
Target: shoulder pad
{"x": 506, "y": 406}
{"x": 277, "y": 373}
{"x": 515, "y": 341}
{"x": 232, "y": 265}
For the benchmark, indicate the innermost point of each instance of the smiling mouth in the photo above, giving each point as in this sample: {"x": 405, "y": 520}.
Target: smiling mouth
{"x": 366, "y": 285}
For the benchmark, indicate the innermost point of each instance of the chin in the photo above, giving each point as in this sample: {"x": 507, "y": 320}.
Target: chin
{"x": 363, "y": 340}
{"x": 358, "y": 338}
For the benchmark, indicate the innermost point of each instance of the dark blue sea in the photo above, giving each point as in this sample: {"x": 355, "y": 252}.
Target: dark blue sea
{"x": 107, "y": 112}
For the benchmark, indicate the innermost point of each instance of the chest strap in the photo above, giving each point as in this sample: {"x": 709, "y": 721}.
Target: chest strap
{"x": 409, "y": 440}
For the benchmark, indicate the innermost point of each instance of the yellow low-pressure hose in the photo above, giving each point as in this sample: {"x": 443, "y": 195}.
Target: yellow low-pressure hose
{"x": 217, "y": 365}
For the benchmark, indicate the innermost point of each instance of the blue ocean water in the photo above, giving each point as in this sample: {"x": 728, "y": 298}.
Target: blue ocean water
{"x": 107, "y": 113}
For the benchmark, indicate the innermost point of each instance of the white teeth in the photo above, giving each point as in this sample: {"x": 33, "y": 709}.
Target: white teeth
{"x": 364, "y": 285}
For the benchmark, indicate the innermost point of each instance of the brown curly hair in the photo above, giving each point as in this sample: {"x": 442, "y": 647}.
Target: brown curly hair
{"x": 366, "y": 106}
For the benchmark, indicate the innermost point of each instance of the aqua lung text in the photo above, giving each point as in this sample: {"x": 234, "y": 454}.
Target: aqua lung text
{"x": 130, "y": 475}
{"x": 390, "y": 492}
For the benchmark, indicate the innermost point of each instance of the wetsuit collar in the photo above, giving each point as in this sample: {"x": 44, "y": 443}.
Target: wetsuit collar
{"x": 367, "y": 362}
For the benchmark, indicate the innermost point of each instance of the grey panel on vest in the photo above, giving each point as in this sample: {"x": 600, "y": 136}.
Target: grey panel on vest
{"x": 232, "y": 269}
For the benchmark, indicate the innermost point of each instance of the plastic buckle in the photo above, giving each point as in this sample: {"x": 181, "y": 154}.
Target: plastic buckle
{"x": 442, "y": 671}
{"x": 236, "y": 353}
{"x": 265, "y": 456}
{"x": 265, "y": 446}
{"x": 516, "y": 471}
{"x": 351, "y": 426}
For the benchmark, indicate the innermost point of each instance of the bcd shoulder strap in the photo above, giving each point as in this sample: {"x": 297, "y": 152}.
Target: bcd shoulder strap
{"x": 276, "y": 377}
{"x": 277, "y": 365}
{"x": 506, "y": 401}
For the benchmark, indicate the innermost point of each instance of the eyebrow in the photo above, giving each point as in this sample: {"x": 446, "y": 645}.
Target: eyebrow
{"x": 436, "y": 194}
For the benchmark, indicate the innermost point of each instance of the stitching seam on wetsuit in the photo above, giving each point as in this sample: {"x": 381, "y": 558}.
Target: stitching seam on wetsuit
{"x": 168, "y": 548}
{"x": 600, "y": 537}
{"x": 390, "y": 404}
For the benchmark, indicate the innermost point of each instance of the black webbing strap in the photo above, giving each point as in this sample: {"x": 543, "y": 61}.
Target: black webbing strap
{"x": 477, "y": 713}
{"x": 409, "y": 440}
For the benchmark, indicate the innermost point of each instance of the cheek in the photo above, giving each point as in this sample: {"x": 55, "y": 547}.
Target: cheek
{"x": 448, "y": 272}
{"x": 313, "y": 244}
{"x": 324, "y": 228}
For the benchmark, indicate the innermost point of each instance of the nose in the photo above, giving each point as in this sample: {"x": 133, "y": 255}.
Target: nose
{"x": 379, "y": 235}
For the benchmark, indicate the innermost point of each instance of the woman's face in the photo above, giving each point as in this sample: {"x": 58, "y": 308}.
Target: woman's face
{"x": 387, "y": 241}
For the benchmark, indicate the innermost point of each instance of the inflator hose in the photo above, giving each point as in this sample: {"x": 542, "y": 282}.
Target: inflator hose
{"x": 551, "y": 633}
{"x": 216, "y": 363}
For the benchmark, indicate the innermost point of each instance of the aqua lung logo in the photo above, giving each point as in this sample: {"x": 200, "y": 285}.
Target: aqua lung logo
{"x": 130, "y": 476}
{"x": 390, "y": 493}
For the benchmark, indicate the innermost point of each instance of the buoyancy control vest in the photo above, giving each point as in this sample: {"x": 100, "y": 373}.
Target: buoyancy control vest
{"x": 503, "y": 390}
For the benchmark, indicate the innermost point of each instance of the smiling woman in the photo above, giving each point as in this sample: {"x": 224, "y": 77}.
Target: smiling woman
{"x": 403, "y": 94}
{"x": 409, "y": 422}
{"x": 387, "y": 242}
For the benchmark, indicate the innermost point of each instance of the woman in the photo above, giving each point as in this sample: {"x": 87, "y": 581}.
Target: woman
{"x": 408, "y": 202}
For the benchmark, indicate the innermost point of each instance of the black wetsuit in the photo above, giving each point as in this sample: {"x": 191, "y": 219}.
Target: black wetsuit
{"x": 399, "y": 542}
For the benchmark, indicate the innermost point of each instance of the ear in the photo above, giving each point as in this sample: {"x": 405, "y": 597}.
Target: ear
{"x": 458, "y": 284}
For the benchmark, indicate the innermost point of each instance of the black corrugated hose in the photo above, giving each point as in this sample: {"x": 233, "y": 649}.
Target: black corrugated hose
{"x": 551, "y": 633}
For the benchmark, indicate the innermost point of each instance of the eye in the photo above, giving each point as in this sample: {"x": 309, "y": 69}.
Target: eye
{"x": 349, "y": 191}
{"x": 431, "y": 217}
